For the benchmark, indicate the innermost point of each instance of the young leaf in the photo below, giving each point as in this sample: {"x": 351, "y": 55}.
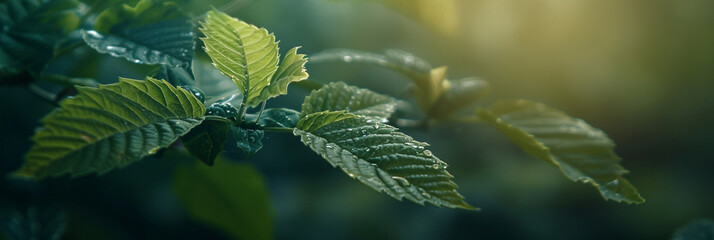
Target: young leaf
{"x": 460, "y": 93}
{"x": 582, "y": 153}
{"x": 231, "y": 197}
{"x": 111, "y": 126}
{"x": 339, "y": 96}
{"x": 380, "y": 157}
{"x": 248, "y": 140}
{"x": 149, "y": 33}
{"x": 30, "y": 31}
{"x": 245, "y": 53}
{"x": 291, "y": 69}
{"x": 206, "y": 140}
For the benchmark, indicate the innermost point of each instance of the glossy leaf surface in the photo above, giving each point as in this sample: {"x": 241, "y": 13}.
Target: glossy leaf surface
{"x": 148, "y": 33}
{"x": 379, "y": 156}
{"x": 339, "y": 96}
{"x": 110, "y": 126}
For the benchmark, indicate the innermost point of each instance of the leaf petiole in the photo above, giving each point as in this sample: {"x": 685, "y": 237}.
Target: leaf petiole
{"x": 42, "y": 94}
{"x": 260, "y": 113}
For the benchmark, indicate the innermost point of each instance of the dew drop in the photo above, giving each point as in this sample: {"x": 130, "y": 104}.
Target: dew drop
{"x": 426, "y": 195}
{"x": 351, "y": 175}
{"x": 428, "y": 153}
{"x": 376, "y": 126}
{"x": 435, "y": 166}
{"x": 347, "y": 58}
{"x": 402, "y": 181}
{"x": 153, "y": 151}
{"x": 86, "y": 138}
{"x": 116, "y": 49}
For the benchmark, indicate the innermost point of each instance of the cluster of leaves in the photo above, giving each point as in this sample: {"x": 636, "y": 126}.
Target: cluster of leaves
{"x": 200, "y": 104}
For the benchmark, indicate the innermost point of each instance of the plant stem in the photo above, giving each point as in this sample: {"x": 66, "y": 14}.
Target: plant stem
{"x": 42, "y": 94}
{"x": 262, "y": 107}
{"x": 241, "y": 112}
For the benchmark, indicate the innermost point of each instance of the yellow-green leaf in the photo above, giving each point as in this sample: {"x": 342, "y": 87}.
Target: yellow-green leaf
{"x": 291, "y": 69}
{"x": 245, "y": 53}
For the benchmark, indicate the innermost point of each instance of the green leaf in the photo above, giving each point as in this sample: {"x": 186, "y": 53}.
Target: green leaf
{"x": 339, "y": 96}
{"x": 460, "y": 94}
{"x": 110, "y": 126}
{"x": 380, "y": 157}
{"x": 248, "y": 140}
{"x": 231, "y": 197}
{"x": 31, "y": 29}
{"x": 700, "y": 229}
{"x": 582, "y": 153}
{"x": 276, "y": 117}
{"x": 206, "y": 140}
{"x": 149, "y": 33}
{"x": 291, "y": 69}
{"x": 245, "y": 53}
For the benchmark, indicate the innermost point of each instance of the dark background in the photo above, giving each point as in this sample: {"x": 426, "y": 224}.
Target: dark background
{"x": 641, "y": 70}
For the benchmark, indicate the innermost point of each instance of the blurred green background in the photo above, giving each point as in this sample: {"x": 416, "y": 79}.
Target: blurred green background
{"x": 641, "y": 70}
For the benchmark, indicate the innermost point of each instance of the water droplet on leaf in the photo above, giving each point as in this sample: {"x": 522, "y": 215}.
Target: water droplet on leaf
{"x": 402, "y": 181}
{"x": 428, "y": 153}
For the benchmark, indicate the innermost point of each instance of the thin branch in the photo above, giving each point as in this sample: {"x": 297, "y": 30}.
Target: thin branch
{"x": 42, "y": 94}
{"x": 262, "y": 108}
